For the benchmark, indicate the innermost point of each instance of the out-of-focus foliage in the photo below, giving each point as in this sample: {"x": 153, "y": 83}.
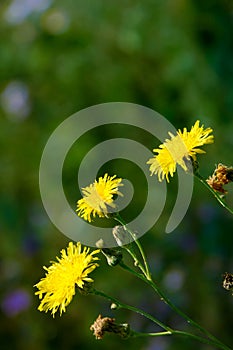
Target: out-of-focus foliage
{"x": 58, "y": 57}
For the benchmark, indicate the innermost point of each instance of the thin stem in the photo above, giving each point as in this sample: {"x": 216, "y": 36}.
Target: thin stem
{"x": 137, "y": 262}
{"x": 174, "y": 332}
{"x": 146, "y": 271}
{"x": 173, "y": 307}
{"x": 203, "y": 340}
{"x": 157, "y": 334}
{"x": 132, "y": 308}
{"x": 168, "y": 331}
{"x": 216, "y": 195}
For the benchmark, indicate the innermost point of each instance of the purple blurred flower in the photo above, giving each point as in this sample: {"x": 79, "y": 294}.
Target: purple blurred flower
{"x": 30, "y": 245}
{"x": 174, "y": 279}
{"x": 15, "y": 100}
{"x": 15, "y": 302}
{"x": 207, "y": 213}
{"x": 19, "y": 10}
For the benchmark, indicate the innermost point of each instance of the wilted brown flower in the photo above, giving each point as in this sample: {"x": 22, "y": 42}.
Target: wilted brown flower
{"x": 107, "y": 324}
{"x": 222, "y": 175}
{"x": 228, "y": 281}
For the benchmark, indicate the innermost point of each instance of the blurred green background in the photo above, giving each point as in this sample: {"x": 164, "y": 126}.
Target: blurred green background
{"x": 58, "y": 57}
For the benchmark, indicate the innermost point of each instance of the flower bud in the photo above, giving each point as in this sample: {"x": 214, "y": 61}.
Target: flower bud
{"x": 113, "y": 256}
{"x": 121, "y": 236}
{"x": 114, "y": 306}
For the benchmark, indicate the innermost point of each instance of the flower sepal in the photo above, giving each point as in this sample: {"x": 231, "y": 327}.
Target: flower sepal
{"x": 86, "y": 289}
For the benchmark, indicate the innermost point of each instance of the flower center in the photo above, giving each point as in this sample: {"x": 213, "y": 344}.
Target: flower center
{"x": 177, "y": 149}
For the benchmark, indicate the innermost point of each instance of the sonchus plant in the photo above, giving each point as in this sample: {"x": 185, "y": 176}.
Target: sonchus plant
{"x": 71, "y": 271}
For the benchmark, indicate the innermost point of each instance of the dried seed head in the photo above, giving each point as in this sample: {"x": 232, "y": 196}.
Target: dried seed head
{"x": 222, "y": 175}
{"x": 228, "y": 281}
{"x": 107, "y": 324}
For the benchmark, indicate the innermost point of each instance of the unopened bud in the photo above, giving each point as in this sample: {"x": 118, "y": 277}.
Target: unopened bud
{"x": 100, "y": 243}
{"x": 121, "y": 236}
{"x": 113, "y": 256}
{"x": 114, "y": 306}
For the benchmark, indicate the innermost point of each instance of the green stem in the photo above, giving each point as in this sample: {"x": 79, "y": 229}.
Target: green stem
{"x": 168, "y": 330}
{"x": 174, "y": 332}
{"x": 173, "y": 307}
{"x": 146, "y": 271}
{"x": 203, "y": 340}
{"x": 157, "y": 334}
{"x": 132, "y": 308}
{"x": 216, "y": 195}
{"x": 136, "y": 261}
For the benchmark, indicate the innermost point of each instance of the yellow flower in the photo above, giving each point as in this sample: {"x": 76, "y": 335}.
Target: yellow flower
{"x": 178, "y": 149}
{"x": 57, "y": 288}
{"x": 98, "y": 196}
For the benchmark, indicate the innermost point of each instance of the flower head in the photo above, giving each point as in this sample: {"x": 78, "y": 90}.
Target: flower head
{"x": 178, "y": 150}
{"x": 98, "y": 196}
{"x": 57, "y": 288}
